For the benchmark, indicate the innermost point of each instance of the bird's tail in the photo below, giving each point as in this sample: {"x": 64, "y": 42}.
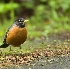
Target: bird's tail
{"x": 4, "y": 45}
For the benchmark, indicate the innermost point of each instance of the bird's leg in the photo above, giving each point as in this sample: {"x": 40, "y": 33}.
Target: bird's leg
{"x": 10, "y": 48}
{"x": 20, "y": 47}
{"x": 5, "y": 55}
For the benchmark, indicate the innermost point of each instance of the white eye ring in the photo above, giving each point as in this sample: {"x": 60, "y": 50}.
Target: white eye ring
{"x": 19, "y": 20}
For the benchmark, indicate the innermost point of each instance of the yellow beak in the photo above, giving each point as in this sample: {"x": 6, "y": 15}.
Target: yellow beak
{"x": 26, "y": 20}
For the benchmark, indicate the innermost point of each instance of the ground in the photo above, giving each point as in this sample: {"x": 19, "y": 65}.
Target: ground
{"x": 53, "y": 53}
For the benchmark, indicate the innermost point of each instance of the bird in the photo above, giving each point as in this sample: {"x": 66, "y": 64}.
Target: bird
{"x": 16, "y": 34}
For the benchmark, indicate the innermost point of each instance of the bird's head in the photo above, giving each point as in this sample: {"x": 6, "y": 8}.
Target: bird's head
{"x": 21, "y": 22}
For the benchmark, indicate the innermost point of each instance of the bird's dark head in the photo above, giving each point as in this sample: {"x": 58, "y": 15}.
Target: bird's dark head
{"x": 21, "y": 22}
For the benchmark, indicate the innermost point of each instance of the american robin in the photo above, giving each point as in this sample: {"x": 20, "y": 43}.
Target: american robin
{"x": 16, "y": 34}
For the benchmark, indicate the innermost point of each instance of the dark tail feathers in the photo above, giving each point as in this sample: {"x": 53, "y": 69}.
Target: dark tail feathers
{"x": 4, "y": 45}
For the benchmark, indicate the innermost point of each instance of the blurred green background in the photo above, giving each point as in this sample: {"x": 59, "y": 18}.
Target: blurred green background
{"x": 45, "y": 16}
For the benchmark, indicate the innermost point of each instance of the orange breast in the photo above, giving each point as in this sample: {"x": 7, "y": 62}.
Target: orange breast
{"x": 16, "y": 36}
